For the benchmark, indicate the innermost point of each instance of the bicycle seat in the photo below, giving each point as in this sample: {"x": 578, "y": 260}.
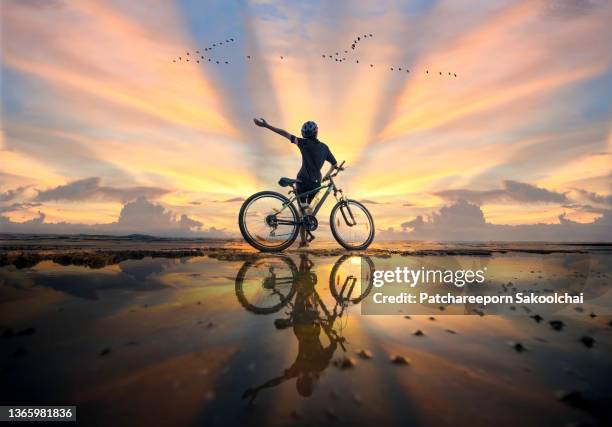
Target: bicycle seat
{"x": 284, "y": 182}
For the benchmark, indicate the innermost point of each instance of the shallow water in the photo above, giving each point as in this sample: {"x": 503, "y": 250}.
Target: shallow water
{"x": 202, "y": 340}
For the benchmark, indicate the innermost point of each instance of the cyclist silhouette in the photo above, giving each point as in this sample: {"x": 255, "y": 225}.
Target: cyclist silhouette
{"x": 313, "y": 358}
{"x": 314, "y": 154}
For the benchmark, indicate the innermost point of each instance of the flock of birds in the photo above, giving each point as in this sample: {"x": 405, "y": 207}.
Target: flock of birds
{"x": 205, "y": 55}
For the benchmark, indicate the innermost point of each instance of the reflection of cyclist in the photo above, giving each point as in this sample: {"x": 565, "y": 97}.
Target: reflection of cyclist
{"x": 313, "y": 357}
{"x": 314, "y": 154}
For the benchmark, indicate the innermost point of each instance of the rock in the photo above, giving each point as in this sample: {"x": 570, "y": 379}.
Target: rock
{"x": 105, "y": 352}
{"x": 588, "y": 341}
{"x": 450, "y": 331}
{"x": 408, "y": 317}
{"x": 592, "y": 315}
{"x": 557, "y": 325}
{"x": 346, "y": 363}
{"x": 26, "y": 332}
{"x": 537, "y": 318}
{"x": 517, "y": 346}
{"x": 432, "y": 318}
{"x": 572, "y": 398}
{"x": 400, "y": 360}
{"x": 365, "y": 354}
{"x": 331, "y": 414}
{"x": 20, "y": 352}
{"x": 419, "y": 333}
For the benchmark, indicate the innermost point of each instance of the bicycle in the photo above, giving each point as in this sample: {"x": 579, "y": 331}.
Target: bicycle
{"x": 270, "y": 222}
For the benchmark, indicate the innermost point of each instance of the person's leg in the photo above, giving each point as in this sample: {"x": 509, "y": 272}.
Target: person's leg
{"x": 304, "y": 205}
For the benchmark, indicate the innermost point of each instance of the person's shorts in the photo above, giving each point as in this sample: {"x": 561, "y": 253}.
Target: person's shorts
{"x": 304, "y": 186}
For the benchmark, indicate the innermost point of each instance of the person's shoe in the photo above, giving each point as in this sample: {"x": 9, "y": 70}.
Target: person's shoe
{"x": 303, "y": 245}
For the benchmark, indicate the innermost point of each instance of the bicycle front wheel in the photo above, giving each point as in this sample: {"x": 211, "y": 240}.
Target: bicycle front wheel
{"x": 268, "y": 221}
{"x": 352, "y": 225}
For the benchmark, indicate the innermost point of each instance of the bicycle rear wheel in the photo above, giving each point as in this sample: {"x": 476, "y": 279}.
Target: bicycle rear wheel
{"x": 268, "y": 221}
{"x": 264, "y": 286}
{"x": 352, "y": 225}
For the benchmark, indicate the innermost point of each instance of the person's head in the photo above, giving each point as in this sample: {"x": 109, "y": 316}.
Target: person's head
{"x": 305, "y": 384}
{"x": 310, "y": 130}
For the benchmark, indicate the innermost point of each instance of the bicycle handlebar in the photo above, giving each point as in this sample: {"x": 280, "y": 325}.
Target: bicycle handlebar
{"x": 334, "y": 170}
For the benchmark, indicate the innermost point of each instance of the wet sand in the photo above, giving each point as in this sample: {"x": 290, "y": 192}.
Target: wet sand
{"x": 212, "y": 333}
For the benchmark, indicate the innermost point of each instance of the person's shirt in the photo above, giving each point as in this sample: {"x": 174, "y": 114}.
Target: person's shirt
{"x": 314, "y": 154}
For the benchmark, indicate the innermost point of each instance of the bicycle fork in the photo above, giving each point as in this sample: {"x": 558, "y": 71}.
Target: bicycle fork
{"x": 346, "y": 207}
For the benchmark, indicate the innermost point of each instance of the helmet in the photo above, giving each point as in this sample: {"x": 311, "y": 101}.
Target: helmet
{"x": 310, "y": 130}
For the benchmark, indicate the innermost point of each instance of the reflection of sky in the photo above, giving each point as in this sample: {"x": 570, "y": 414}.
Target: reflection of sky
{"x": 177, "y": 325}
{"x": 100, "y": 97}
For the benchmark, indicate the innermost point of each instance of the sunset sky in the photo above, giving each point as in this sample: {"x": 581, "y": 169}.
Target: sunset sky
{"x": 95, "y": 113}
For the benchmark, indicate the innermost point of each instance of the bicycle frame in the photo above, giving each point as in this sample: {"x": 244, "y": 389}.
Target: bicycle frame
{"x": 329, "y": 186}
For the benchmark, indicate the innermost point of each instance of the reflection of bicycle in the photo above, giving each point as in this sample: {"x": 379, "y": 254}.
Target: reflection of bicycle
{"x": 266, "y": 286}
{"x": 270, "y": 222}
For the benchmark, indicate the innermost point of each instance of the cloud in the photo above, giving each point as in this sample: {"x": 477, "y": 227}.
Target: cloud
{"x": 153, "y": 216}
{"x": 595, "y": 197}
{"x": 18, "y": 207}
{"x": 585, "y": 208}
{"x": 10, "y": 195}
{"x": 568, "y": 9}
{"x": 140, "y": 216}
{"x": 90, "y": 188}
{"x": 232, "y": 200}
{"x": 464, "y": 221}
{"x": 373, "y": 202}
{"x": 512, "y": 191}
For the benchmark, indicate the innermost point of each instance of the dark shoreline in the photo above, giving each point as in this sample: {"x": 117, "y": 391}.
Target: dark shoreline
{"x": 98, "y": 258}
{"x": 97, "y": 251}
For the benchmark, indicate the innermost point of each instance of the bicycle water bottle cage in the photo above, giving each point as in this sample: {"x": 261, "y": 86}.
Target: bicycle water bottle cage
{"x": 285, "y": 182}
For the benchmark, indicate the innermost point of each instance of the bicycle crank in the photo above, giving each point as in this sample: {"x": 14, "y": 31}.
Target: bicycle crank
{"x": 310, "y": 222}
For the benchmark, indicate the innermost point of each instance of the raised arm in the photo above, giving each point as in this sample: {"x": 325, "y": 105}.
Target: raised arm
{"x": 262, "y": 123}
